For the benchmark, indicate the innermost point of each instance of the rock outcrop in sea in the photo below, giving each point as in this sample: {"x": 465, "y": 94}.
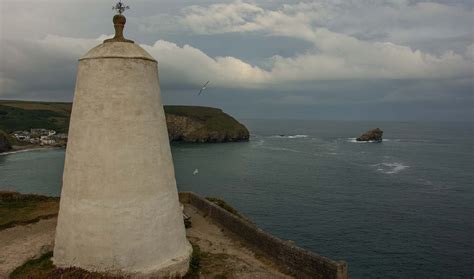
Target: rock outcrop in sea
{"x": 4, "y": 143}
{"x": 203, "y": 125}
{"x": 374, "y": 135}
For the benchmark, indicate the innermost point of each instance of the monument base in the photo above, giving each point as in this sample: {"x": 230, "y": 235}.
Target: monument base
{"x": 174, "y": 268}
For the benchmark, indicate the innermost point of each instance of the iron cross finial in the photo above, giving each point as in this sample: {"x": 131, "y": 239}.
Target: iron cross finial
{"x": 120, "y": 7}
{"x": 119, "y": 21}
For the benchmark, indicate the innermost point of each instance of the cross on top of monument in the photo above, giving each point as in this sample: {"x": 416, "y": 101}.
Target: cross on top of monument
{"x": 119, "y": 21}
{"x": 120, "y": 7}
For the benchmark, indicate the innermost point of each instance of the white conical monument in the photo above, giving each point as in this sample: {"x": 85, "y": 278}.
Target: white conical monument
{"x": 119, "y": 209}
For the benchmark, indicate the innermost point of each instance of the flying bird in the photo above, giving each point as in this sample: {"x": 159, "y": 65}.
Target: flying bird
{"x": 203, "y": 88}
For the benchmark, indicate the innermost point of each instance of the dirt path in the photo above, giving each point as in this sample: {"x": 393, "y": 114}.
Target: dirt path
{"x": 221, "y": 255}
{"x": 224, "y": 256}
{"x": 22, "y": 243}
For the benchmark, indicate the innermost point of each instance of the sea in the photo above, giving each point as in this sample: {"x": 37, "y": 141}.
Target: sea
{"x": 402, "y": 208}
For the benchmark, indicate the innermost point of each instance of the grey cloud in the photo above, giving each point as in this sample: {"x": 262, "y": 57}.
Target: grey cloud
{"x": 305, "y": 59}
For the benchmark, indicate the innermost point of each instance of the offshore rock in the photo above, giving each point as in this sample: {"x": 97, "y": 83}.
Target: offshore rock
{"x": 203, "y": 125}
{"x": 374, "y": 135}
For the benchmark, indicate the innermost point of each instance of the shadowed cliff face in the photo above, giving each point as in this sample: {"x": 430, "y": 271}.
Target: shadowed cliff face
{"x": 4, "y": 143}
{"x": 203, "y": 124}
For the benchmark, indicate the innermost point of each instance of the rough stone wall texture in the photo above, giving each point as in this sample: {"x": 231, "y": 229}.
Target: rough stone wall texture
{"x": 119, "y": 209}
{"x": 294, "y": 260}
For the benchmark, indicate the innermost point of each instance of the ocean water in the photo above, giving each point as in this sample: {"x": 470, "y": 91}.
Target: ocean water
{"x": 403, "y": 208}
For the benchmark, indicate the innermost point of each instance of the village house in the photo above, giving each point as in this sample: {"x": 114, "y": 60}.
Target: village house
{"x": 22, "y": 135}
{"x": 40, "y": 136}
{"x": 61, "y": 136}
{"x": 46, "y": 140}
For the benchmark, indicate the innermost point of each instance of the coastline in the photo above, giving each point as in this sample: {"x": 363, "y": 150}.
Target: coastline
{"x": 27, "y": 148}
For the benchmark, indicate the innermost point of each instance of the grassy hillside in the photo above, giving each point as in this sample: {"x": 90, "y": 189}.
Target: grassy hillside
{"x": 200, "y": 124}
{"x": 19, "y": 115}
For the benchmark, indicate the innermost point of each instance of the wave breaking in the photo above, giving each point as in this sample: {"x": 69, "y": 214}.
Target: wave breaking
{"x": 390, "y": 168}
{"x": 290, "y": 136}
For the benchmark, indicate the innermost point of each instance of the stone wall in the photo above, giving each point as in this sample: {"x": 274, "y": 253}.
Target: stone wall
{"x": 290, "y": 258}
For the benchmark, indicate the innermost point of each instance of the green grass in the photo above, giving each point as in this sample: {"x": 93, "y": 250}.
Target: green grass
{"x": 13, "y": 118}
{"x": 195, "y": 263}
{"x": 37, "y": 268}
{"x": 17, "y": 209}
{"x": 43, "y": 268}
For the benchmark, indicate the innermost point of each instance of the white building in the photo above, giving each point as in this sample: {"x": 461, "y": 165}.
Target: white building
{"x": 47, "y": 141}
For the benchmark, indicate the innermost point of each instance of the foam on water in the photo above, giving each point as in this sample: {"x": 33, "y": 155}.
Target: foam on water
{"x": 354, "y": 140}
{"x": 281, "y": 149}
{"x": 26, "y": 150}
{"x": 260, "y": 142}
{"x": 390, "y": 168}
{"x": 290, "y": 137}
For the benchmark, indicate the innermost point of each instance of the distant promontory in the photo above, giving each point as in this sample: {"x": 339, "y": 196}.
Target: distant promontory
{"x": 185, "y": 123}
{"x": 203, "y": 124}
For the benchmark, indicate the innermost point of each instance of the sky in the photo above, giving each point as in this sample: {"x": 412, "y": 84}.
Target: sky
{"x": 395, "y": 60}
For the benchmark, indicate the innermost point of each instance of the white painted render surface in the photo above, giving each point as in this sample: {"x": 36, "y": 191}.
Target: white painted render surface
{"x": 119, "y": 208}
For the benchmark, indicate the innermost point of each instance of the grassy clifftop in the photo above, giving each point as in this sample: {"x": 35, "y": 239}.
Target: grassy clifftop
{"x": 185, "y": 123}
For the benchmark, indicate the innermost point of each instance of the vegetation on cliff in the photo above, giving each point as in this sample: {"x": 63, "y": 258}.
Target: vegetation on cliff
{"x": 185, "y": 123}
{"x": 20, "y": 209}
{"x": 18, "y": 115}
{"x": 5, "y": 144}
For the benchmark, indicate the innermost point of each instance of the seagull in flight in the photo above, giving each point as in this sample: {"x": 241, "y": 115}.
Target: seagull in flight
{"x": 203, "y": 88}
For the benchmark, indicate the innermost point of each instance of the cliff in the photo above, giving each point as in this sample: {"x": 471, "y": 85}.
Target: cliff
{"x": 185, "y": 123}
{"x": 203, "y": 124}
{"x": 4, "y": 142}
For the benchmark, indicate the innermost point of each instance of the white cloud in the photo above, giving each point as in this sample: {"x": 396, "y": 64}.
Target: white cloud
{"x": 189, "y": 65}
{"x": 398, "y": 21}
{"x": 470, "y": 52}
{"x": 338, "y": 55}
{"x": 50, "y": 63}
{"x": 222, "y": 18}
